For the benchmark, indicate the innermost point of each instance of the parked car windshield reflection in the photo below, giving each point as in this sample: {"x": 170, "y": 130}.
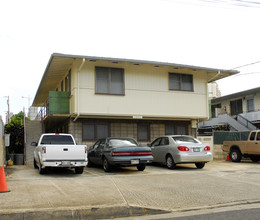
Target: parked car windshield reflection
{"x": 122, "y": 143}
{"x": 179, "y": 139}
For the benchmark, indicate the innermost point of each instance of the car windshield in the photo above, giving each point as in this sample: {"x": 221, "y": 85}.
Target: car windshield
{"x": 180, "y": 139}
{"x": 57, "y": 139}
{"x": 122, "y": 143}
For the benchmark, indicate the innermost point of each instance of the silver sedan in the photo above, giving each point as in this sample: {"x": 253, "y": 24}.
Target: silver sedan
{"x": 177, "y": 149}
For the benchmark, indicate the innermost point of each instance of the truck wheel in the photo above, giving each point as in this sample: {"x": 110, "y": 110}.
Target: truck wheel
{"x": 170, "y": 162}
{"x": 141, "y": 167}
{"x": 255, "y": 158}
{"x": 235, "y": 155}
{"x": 106, "y": 165}
{"x": 34, "y": 164}
{"x": 41, "y": 170}
{"x": 79, "y": 170}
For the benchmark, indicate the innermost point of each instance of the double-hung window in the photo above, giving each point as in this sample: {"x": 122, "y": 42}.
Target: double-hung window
{"x": 143, "y": 132}
{"x": 94, "y": 131}
{"x": 250, "y": 105}
{"x": 110, "y": 81}
{"x": 181, "y": 82}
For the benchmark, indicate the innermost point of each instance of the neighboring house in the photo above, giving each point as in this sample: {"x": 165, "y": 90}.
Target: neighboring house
{"x": 95, "y": 97}
{"x": 239, "y": 111}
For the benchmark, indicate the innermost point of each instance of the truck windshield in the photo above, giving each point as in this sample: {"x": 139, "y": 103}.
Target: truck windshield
{"x": 57, "y": 139}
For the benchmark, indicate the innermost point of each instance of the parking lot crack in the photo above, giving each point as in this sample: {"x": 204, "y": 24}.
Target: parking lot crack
{"x": 125, "y": 201}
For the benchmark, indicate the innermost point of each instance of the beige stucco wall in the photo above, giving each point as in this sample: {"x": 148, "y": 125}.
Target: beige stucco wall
{"x": 146, "y": 93}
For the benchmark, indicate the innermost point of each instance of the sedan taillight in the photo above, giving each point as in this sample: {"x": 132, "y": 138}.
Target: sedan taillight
{"x": 131, "y": 153}
{"x": 207, "y": 148}
{"x": 183, "y": 148}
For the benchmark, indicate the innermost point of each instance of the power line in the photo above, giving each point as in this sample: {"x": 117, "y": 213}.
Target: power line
{"x": 249, "y": 64}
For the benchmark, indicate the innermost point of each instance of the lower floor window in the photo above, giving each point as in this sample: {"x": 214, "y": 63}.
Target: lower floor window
{"x": 171, "y": 129}
{"x": 143, "y": 132}
{"x": 94, "y": 131}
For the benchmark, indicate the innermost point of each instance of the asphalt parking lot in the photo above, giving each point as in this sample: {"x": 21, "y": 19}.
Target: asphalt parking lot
{"x": 157, "y": 191}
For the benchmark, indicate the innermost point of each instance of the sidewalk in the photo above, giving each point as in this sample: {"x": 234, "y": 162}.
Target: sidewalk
{"x": 65, "y": 196}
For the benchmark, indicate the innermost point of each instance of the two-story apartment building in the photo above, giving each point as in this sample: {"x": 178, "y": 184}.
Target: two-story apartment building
{"x": 239, "y": 111}
{"x": 95, "y": 97}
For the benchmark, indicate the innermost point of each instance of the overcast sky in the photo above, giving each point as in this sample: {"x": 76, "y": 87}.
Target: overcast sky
{"x": 219, "y": 34}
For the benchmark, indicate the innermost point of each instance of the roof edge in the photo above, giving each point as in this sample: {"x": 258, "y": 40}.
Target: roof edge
{"x": 144, "y": 62}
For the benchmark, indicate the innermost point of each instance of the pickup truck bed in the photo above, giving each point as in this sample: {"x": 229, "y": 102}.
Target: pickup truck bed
{"x": 59, "y": 150}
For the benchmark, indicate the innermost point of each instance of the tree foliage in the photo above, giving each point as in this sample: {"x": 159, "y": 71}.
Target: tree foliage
{"x": 16, "y": 130}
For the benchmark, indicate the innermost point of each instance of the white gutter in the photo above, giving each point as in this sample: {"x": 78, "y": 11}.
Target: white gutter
{"x": 78, "y": 114}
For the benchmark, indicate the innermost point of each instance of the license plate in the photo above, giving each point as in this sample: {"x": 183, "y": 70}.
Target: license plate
{"x": 196, "y": 149}
{"x": 134, "y": 161}
{"x": 65, "y": 163}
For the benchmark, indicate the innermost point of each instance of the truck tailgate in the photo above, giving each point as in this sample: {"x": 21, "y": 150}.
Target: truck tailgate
{"x": 64, "y": 152}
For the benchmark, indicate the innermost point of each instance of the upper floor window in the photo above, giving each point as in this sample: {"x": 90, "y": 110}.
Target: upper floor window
{"x": 110, "y": 81}
{"x": 181, "y": 82}
{"x": 250, "y": 105}
{"x": 236, "y": 107}
{"x": 68, "y": 82}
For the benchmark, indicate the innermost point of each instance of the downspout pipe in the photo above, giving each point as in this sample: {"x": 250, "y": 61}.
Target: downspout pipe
{"x": 81, "y": 65}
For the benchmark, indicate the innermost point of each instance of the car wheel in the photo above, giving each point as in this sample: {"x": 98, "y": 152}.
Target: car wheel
{"x": 41, "y": 170}
{"x": 34, "y": 164}
{"x": 200, "y": 165}
{"x": 235, "y": 155}
{"x": 255, "y": 158}
{"x": 106, "y": 165}
{"x": 170, "y": 162}
{"x": 79, "y": 170}
{"x": 141, "y": 167}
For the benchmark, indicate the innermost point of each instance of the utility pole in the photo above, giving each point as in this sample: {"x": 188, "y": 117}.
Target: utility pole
{"x": 8, "y": 104}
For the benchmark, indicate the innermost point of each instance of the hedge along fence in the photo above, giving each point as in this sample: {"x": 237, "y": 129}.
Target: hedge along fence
{"x": 220, "y": 136}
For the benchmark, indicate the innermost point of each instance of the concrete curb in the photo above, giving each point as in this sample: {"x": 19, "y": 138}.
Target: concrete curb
{"x": 81, "y": 213}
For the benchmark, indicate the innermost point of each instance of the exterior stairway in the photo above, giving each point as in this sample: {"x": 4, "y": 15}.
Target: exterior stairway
{"x": 226, "y": 119}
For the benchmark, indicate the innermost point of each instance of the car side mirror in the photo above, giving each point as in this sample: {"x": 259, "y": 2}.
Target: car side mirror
{"x": 34, "y": 144}
{"x": 149, "y": 145}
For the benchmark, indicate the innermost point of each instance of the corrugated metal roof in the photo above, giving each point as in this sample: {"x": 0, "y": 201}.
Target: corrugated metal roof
{"x": 60, "y": 63}
{"x": 236, "y": 95}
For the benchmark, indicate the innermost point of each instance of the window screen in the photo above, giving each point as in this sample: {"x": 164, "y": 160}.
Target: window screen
{"x": 183, "y": 82}
{"x": 143, "y": 132}
{"x": 94, "y": 131}
{"x": 109, "y": 81}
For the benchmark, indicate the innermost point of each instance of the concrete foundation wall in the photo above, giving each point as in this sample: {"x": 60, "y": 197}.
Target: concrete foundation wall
{"x": 33, "y": 133}
{"x": 218, "y": 154}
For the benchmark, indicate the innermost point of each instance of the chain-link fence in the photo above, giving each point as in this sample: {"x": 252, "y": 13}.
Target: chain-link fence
{"x": 220, "y": 136}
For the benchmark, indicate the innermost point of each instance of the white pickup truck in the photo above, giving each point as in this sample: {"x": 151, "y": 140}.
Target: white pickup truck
{"x": 59, "y": 150}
